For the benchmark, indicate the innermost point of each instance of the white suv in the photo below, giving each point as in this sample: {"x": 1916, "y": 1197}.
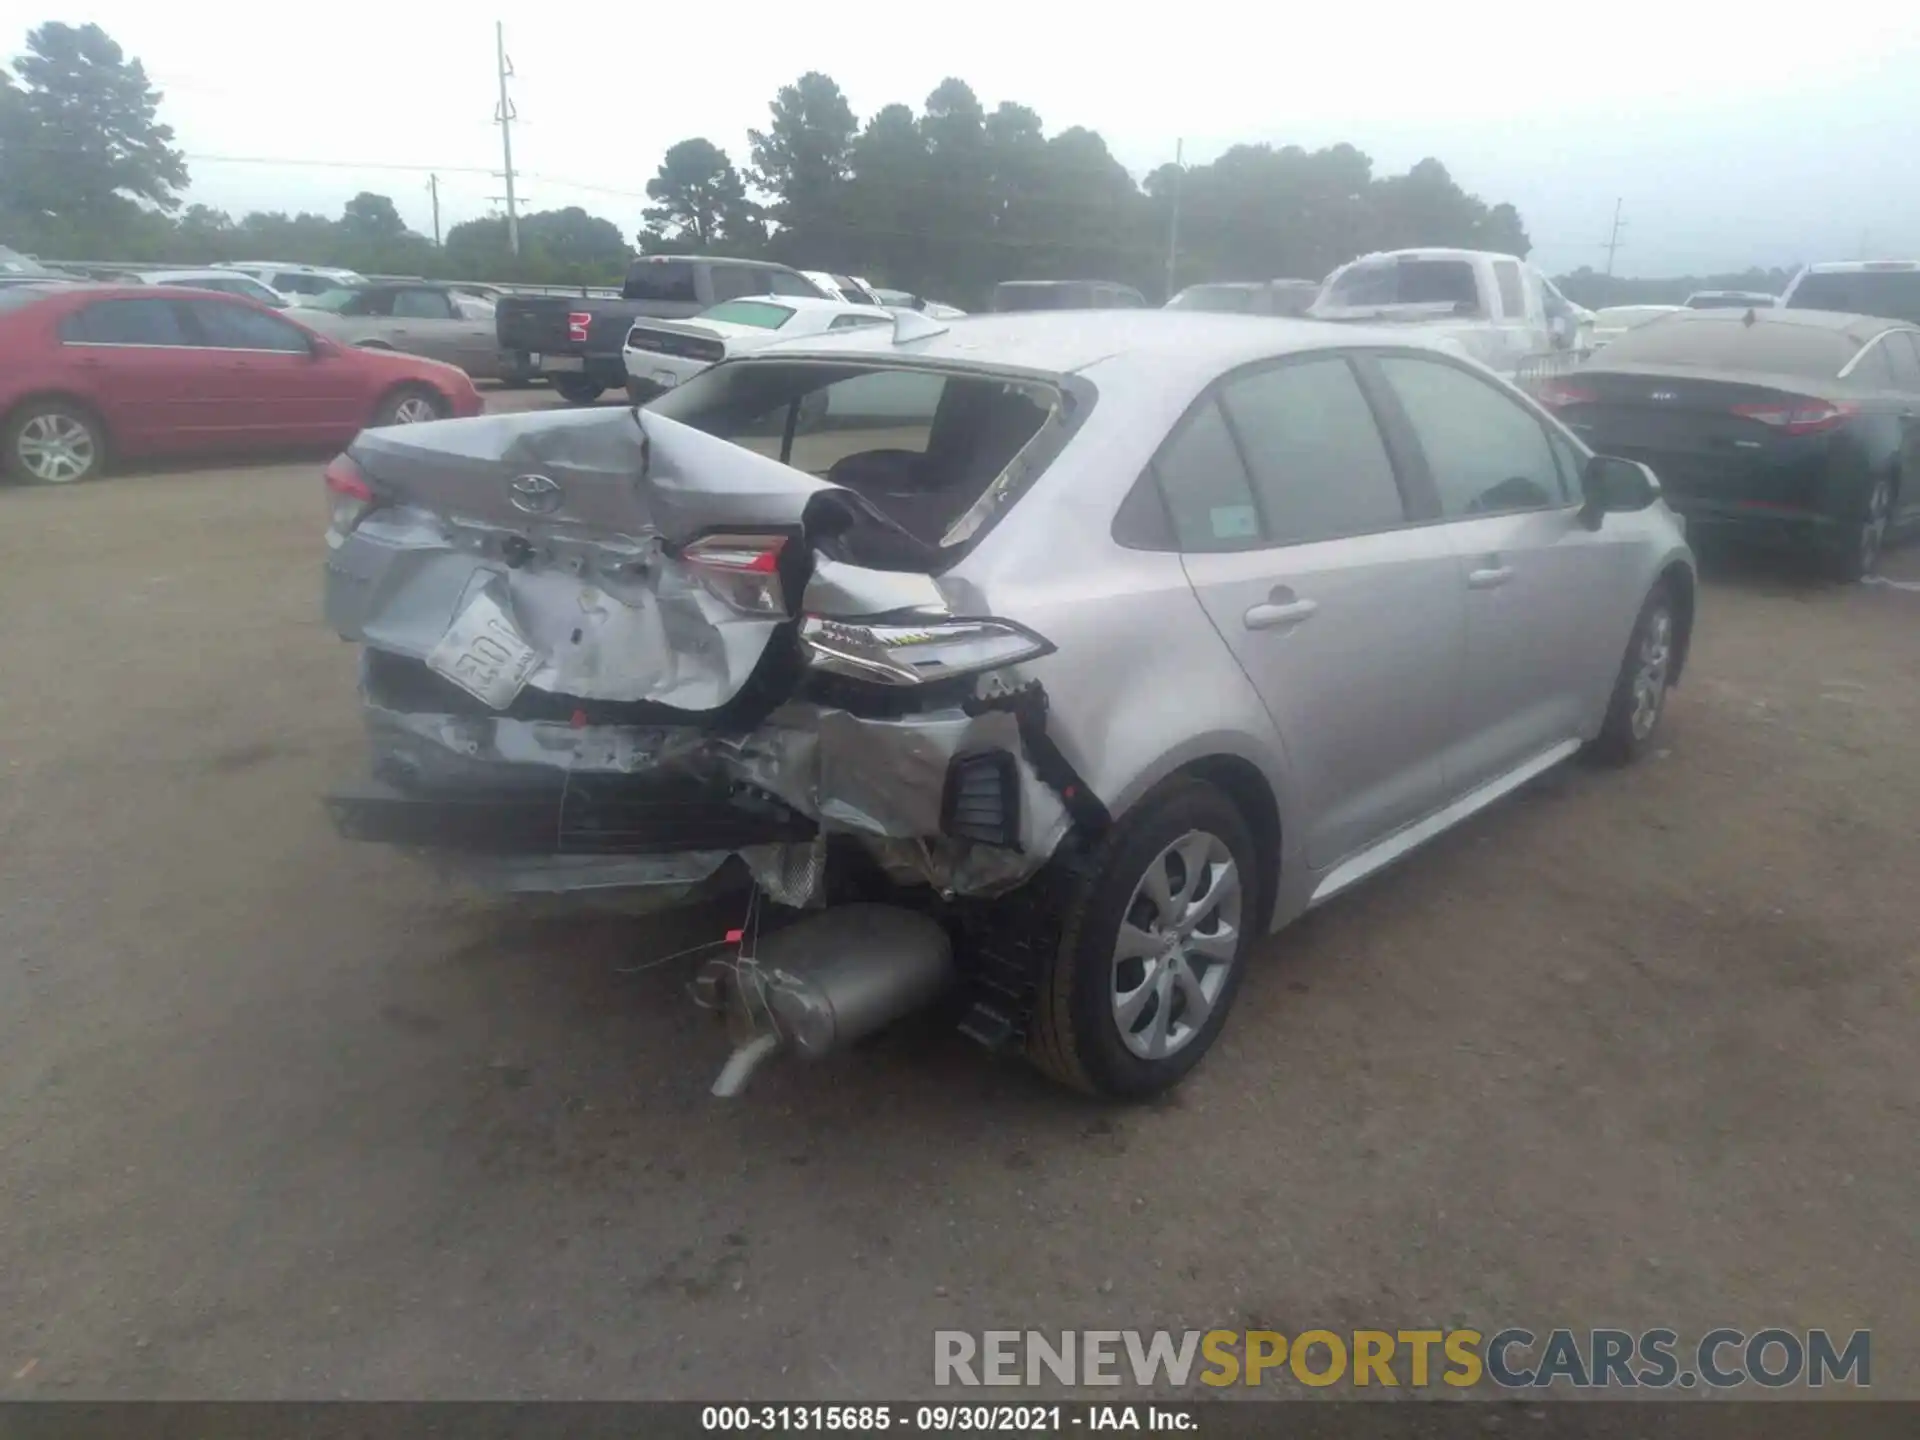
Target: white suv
{"x": 296, "y": 281}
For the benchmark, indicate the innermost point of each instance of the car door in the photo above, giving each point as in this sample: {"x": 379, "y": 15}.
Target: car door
{"x": 425, "y": 323}
{"x": 1903, "y": 355}
{"x": 1348, "y": 618}
{"x": 266, "y": 383}
{"x": 1539, "y": 586}
{"x": 135, "y": 360}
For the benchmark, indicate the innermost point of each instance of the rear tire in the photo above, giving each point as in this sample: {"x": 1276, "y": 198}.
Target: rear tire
{"x": 1639, "y": 701}
{"x": 1153, "y": 949}
{"x": 578, "y": 389}
{"x": 54, "y": 442}
{"x": 1854, "y": 551}
{"x": 410, "y": 405}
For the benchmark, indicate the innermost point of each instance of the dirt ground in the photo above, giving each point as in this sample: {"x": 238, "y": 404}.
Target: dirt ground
{"x": 279, "y": 1118}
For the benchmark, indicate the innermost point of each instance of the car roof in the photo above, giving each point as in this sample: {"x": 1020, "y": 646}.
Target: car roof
{"x": 1179, "y": 344}
{"x": 809, "y": 302}
{"x": 209, "y": 271}
{"x": 1433, "y": 252}
{"x": 1860, "y": 267}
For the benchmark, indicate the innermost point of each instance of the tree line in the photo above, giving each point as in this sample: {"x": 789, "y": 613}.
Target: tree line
{"x": 944, "y": 201}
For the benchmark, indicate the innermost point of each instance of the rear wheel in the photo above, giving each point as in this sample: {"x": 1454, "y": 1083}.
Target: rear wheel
{"x": 411, "y": 406}
{"x": 1855, "y": 548}
{"x": 1640, "y": 692}
{"x": 54, "y": 442}
{"x": 1153, "y": 950}
{"x": 578, "y": 389}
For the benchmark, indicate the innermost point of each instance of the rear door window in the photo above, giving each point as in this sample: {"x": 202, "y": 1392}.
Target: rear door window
{"x": 786, "y": 282}
{"x": 1209, "y": 495}
{"x": 730, "y": 282}
{"x": 661, "y": 281}
{"x": 1513, "y": 298}
{"x": 1488, "y": 454}
{"x": 126, "y": 322}
{"x": 422, "y": 305}
{"x": 1318, "y": 462}
{"x": 240, "y": 327}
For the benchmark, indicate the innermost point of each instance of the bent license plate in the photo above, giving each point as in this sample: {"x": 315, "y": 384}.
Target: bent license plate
{"x": 484, "y": 654}
{"x": 666, "y": 379}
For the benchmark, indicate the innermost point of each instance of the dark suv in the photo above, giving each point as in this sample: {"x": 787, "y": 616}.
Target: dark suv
{"x": 574, "y": 340}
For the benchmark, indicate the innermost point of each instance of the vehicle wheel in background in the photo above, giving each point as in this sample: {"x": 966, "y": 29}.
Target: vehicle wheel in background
{"x": 1640, "y": 693}
{"x": 410, "y": 405}
{"x": 577, "y": 389}
{"x": 1153, "y": 947}
{"x": 53, "y": 442}
{"x": 1855, "y": 547}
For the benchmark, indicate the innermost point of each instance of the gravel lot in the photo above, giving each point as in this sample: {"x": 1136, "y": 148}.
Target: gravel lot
{"x": 279, "y": 1118}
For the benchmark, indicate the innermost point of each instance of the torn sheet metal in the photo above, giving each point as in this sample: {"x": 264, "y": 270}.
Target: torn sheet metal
{"x": 879, "y": 779}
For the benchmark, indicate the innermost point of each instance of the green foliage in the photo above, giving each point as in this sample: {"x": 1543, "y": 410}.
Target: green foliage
{"x": 700, "y": 204}
{"x": 82, "y": 151}
{"x": 946, "y": 202}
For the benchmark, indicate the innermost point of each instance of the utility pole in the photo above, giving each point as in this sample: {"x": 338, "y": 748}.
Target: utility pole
{"x": 1613, "y": 240}
{"x": 1173, "y": 225}
{"x": 504, "y": 116}
{"x": 433, "y": 189}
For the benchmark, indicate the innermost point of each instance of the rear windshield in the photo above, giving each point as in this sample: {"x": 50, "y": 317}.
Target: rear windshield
{"x": 761, "y": 314}
{"x": 1407, "y": 282}
{"x": 923, "y": 446}
{"x": 1888, "y": 294}
{"x": 661, "y": 280}
{"x": 1722, "y": 340}
{"x": 1233, "y": 299}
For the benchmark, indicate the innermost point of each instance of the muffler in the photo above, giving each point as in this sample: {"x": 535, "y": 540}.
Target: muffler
{"x": 823, "y": 983}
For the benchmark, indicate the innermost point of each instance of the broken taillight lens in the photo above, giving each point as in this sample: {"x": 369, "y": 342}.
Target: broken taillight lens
{"x": 743, "y": 570}
{"x": 349, "y": 497}
{"x": 1800, "y": 417}
{"x": 1558, "y": 394}
{"x": 919, "y": 652}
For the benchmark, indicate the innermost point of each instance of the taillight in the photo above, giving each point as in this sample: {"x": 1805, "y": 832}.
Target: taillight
{"x": 914, "y": 654}
{"x": 743, "y": 570}
{"x": 1800, "y": 417}
{"x": 577, "y": 323}
{"x": 1556, "y": 394}
{"x": 349, "y": 497}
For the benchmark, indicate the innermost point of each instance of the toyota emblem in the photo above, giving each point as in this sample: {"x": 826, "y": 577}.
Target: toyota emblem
{"x": 534, "y": 494}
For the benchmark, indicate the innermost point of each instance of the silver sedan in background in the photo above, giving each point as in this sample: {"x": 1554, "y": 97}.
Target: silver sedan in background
{"x": 441, "y": 322}
{"x": 1141, "y": 635}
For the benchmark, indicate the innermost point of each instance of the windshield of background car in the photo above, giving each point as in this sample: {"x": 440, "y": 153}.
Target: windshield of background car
{"x": 1236, "y": 299}
{"x": 1888, "y": 294}
{"x": 761, "y": 314}
{"x": 1724, "y": 341}
{"x": 1406, "y": 282}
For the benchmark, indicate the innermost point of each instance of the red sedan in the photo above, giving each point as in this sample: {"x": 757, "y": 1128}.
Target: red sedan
{"x": 88, "y": 371}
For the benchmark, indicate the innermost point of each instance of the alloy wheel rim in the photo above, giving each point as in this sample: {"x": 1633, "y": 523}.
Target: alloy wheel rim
{"x": 1650, "y": 674}
{"x": 1178, "y": 942}
{"x": 414, "y": 410}
{"x": 1873, "y": 531}
{"x": 54, "y": 449}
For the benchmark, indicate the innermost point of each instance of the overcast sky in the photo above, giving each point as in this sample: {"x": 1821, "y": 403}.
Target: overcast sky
{"x": 1766, "y": 137}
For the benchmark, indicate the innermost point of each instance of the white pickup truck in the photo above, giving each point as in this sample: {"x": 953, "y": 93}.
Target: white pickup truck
{"x": 1497, "y": 308}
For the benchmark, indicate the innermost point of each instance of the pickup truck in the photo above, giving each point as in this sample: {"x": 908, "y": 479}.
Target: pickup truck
{"x": 1497, "y": 309}
{"x": 575, "y": 340}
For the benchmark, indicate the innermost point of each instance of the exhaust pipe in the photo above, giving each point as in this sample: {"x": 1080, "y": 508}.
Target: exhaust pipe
{"x": 824, "y": 983}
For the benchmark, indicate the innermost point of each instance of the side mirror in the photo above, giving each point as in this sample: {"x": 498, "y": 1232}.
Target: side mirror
{"x": 1612, "y": 485}
{"x": 319, "y": 348}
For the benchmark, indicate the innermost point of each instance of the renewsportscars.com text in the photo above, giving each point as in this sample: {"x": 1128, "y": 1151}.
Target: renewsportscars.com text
{"x": 1512, "y": 1358}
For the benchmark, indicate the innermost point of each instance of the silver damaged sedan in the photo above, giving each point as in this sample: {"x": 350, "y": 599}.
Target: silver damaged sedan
{"x": 1050, "y": 663}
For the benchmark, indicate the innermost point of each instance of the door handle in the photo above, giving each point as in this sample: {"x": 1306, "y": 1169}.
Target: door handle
{"x": 1281, "y": 608}
{"x": 1490, "y": 577}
